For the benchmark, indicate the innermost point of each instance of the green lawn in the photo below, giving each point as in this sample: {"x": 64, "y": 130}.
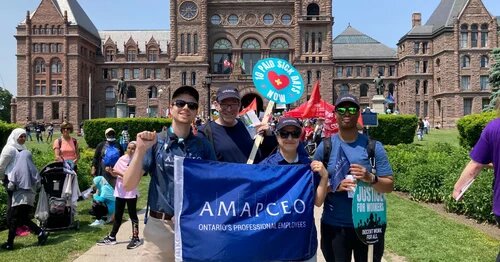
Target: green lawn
{"x": 420, "y": 234}
{"x": 439, "y": 135}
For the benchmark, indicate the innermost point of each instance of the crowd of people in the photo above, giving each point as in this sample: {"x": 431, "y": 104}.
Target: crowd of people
{"x": 119, "y": 164}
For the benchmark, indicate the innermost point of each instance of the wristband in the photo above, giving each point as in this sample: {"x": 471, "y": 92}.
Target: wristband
{"x": 374, "y": 180}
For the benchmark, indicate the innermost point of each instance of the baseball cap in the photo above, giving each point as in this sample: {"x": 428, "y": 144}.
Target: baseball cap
{"x": 288, "y": 121}
{"x": 109, "y": 130}
{"x": 347, "y": 98}
{"x": 187, "y": 90}
{"x": 227, "y": 92}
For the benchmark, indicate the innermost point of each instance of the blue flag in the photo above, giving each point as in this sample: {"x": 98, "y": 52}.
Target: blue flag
{"x": 240, "y": 212}
{"x": 340, "y": 169}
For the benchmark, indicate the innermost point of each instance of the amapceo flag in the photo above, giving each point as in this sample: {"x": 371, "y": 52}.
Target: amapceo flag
{"x": 239, "y": 212}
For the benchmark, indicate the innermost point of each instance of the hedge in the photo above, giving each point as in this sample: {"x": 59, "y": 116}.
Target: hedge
{"x": 471, "y": 126}
{"x": 94, "y": 129}
{"x": 5, "y": 130}
{"x": 428, "y": 174}
{"x": 394, "y": 129}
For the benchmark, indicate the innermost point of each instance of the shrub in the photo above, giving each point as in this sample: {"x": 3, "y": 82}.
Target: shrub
{"x": 394, "y": 129}
{"x": 94, "y": 129}
{"x": 5, "y": 130}
{"x": 471, "y": 126}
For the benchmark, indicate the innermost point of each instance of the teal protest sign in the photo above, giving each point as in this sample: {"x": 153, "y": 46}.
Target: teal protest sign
{"x": 368, "y": 213}
{"x": 277, "y": 80}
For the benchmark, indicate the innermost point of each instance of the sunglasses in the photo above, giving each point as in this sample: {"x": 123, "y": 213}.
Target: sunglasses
{"x": 182, "y": 103}
{"x": 286, "y": 134}
{"x": 343, "y": 110}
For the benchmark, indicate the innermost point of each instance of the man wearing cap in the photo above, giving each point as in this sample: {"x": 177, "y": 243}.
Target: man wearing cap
{"x": 228, "y": 135}
{"x": 338, "y": 238}
{"x": 98, "y": 166}
{"x": 155, "y": 154}
{"x": 288, "y": 131}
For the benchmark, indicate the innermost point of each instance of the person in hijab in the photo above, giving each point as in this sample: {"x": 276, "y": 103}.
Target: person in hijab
{"x": 103, "y": 196}
{"x": 24, "y": 180}
{"x": 14, "y": 145}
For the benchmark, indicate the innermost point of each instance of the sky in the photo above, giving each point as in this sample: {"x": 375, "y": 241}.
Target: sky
{"x": 384, "y": 20}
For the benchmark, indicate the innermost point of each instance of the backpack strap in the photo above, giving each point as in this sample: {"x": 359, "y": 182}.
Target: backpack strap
{"x": 370, "y": 149}
{"x": 327, "y": 150}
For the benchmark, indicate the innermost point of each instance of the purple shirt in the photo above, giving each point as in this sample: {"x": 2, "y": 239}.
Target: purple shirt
{"x": 487, "y": 150}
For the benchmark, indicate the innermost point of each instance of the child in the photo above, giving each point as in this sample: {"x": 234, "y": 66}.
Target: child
{"x": 103, "y": 197}
{"x": 123, "y": 197}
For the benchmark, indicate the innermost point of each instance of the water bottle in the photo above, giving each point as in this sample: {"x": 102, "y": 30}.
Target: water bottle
{"x": 351, "y": 192}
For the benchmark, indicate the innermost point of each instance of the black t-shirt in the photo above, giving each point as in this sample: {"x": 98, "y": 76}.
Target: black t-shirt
{"x": 234, "y": 144}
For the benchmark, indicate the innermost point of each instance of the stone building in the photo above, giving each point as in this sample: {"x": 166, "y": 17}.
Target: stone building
{"x": 67, "y": 69}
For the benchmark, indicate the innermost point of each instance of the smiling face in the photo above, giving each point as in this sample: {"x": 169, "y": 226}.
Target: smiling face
{"x": 347, "y": 115}
{"x": 21, "y": 139}
{"x": 288, "y": 138}
{"x": 228, "y": 109}
{"x": 187, "y": 113}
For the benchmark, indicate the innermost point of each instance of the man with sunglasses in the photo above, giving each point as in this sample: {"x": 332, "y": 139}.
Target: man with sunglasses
{"x": 288, "y": 132}
{"x": 338, "y": 238}
{"x": 155, "y": 154}
{"x": 228, "y": 135}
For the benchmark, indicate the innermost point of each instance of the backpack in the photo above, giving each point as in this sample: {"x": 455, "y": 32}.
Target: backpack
{"x": 370, "y": 149}
{"x": 59, "y": 140}
{"x": 110, "y": 154}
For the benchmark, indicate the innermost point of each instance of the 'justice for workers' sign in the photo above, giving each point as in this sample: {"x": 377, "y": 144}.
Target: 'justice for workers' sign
{"x": 368, "y": 213}
{"x": 277, "y": 80}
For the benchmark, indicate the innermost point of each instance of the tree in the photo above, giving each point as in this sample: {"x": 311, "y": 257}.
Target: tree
{"x": 5, "y": 98}
{"x": 494, "y": 80}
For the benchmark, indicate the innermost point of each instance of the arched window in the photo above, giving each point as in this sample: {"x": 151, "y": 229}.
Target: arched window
{"x": 131, "y": 92}
{"x": 195, "y": 43}
{"x": 484, "y": 61}
{"x": 363, "y": 90}
{"x": 54, "y": 30}
{"x": 110, "y": 93}
{"x": 312, "y": 10}
{"x": 473, "y": 35}
{"x": 56, "y": 66}
{"x": 417, "y": 86}
{"x": 484, "y": 35}
{"x": 154, "y": 92}
{"x": 465, "y": 61}
{"x": 344, "y": 89}
{"x": 188, "y": 43}
{"x": 320, "y": 40}
{"x": 438, "y": 63}
{"x": 250, "y": 54}
{"x": 464, "y": 35}
{"x": 222, "y": 51}
{"x": 36, "y": 31}
{"x": 425, "y": 86}
{"x": 193, "y": 78}
{"x": 39, "y": 66}
{"x": 279, "y": 49}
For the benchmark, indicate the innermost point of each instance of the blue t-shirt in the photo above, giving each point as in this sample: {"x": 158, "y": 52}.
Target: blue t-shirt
{"x": 159, "y": 162}
{"x": 337, "y": 207}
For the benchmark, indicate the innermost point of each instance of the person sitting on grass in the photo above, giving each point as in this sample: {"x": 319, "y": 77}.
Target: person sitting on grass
{"x": 103, "y": 197}
{"x": 123, "y": 197}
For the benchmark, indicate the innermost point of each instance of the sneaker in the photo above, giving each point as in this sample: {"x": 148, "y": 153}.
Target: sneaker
{"x": 7, "y": 246}
{"x": 97, "y": 223}
{"x": 135, "y": 242}
{"x": 42, "y": 238}
{"x": 106, "y": 241}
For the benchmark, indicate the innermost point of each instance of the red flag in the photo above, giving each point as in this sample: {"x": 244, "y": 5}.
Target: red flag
{"x": 314, "y": 99}
{"x": 250, "y": 107}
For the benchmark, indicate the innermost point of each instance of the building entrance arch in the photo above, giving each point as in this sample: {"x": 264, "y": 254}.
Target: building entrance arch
{"x": 248, "y": 98}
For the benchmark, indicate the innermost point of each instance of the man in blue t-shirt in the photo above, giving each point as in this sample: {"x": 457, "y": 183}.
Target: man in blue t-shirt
{"x": 229, "y": 136}
{"x": 338, "y": 238}
{"x": 155, "y": 154}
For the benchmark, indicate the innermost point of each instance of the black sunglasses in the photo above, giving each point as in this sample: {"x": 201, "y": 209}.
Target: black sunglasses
{"x": 182, "y": 103}
{"x": 285, "y": 134}
{"x": 343, "y": 110}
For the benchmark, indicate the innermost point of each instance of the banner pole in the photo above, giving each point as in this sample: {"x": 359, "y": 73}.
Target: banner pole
{"x": 260, "y": 138}
{"x": 370, "y": 253}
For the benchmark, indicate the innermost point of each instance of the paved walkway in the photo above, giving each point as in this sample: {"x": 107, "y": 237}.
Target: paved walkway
{"x": 120, "y": 253}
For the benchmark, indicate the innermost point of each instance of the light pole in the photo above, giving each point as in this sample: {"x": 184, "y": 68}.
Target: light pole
{"x": 208, "y": 82}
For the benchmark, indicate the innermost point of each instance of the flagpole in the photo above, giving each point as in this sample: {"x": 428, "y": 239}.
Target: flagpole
{"x": 90, "y": 96}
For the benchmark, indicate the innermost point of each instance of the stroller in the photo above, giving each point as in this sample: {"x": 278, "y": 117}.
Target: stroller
{"x": 61, "y": 186}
